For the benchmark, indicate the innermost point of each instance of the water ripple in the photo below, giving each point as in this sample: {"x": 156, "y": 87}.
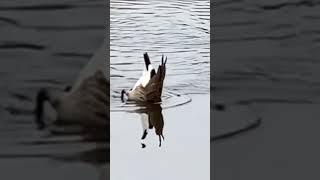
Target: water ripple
{"x": 179, "y": 30}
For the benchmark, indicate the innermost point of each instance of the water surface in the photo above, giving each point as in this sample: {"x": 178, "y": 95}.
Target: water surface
{"x": 266, "y": 59}
{"x": 179, "y": 30}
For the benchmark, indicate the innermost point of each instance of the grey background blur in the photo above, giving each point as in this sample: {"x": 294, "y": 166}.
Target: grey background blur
{"x": 265, "y": 64}
{"x": 45, "y": 44}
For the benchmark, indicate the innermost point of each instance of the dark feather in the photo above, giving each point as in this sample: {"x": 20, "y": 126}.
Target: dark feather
{"x": 42, "y": 96}
{"x": 146, "y": 60}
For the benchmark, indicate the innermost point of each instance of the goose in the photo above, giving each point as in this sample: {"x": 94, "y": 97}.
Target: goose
{"x": 149, "y": 86}
{"x": 151, "y": 117}
{"x": 84, "y": 103}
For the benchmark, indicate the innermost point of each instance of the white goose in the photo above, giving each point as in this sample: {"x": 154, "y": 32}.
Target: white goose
{"x": 149, "y": 86}
{"x": 85, "y": 103}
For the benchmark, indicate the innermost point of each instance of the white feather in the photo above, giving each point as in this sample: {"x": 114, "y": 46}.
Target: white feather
{"x": 145, "y": 78}
{"x": 144, "y": 121}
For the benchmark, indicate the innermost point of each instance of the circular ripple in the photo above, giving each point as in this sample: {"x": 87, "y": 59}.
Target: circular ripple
{"x": 170, "y": 99}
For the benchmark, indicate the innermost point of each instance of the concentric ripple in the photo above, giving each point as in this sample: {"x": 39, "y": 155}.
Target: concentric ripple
{"x": 169, "y": 99}
{"x": 176, "y": 29}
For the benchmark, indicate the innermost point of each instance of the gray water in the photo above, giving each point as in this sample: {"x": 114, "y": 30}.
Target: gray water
{"x": 266, "y": 51}
{"x": 179, "y": 30}
{"x": 266, "y": 59}
{"x": 46, "y": 44}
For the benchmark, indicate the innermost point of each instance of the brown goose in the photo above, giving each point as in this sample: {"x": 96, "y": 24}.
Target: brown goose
{"x": 85, "y": 103}
{"x": 149, "y": 87}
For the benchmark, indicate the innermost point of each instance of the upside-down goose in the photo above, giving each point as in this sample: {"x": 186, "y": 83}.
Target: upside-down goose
{"x": 151, "y": 117}
{"x": 149, "y": 86}
{"x": 85, "y": 103}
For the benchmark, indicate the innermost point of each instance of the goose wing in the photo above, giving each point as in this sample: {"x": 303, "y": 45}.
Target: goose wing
{"x": 90, "y": 100}
{"x": 153, "y": 89}
{"x": 98, "y": 62}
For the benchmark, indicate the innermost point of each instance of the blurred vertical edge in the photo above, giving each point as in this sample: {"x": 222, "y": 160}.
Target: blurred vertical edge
{"x": 108, "y": 78}
{"x": 45, "y": 43}
{"x": 211, "y": 83}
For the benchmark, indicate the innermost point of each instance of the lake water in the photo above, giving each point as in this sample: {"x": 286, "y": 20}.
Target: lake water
{"x": 181, "y": 31}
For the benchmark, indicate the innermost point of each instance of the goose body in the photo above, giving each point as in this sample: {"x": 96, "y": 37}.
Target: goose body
{"x": 85, "y": 103}
{"x": 149, "y": 86}
{"x": 145, "y": 78}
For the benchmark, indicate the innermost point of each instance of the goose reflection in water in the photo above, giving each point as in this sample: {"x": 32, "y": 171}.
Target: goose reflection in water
{"x": 151, "y": 118}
